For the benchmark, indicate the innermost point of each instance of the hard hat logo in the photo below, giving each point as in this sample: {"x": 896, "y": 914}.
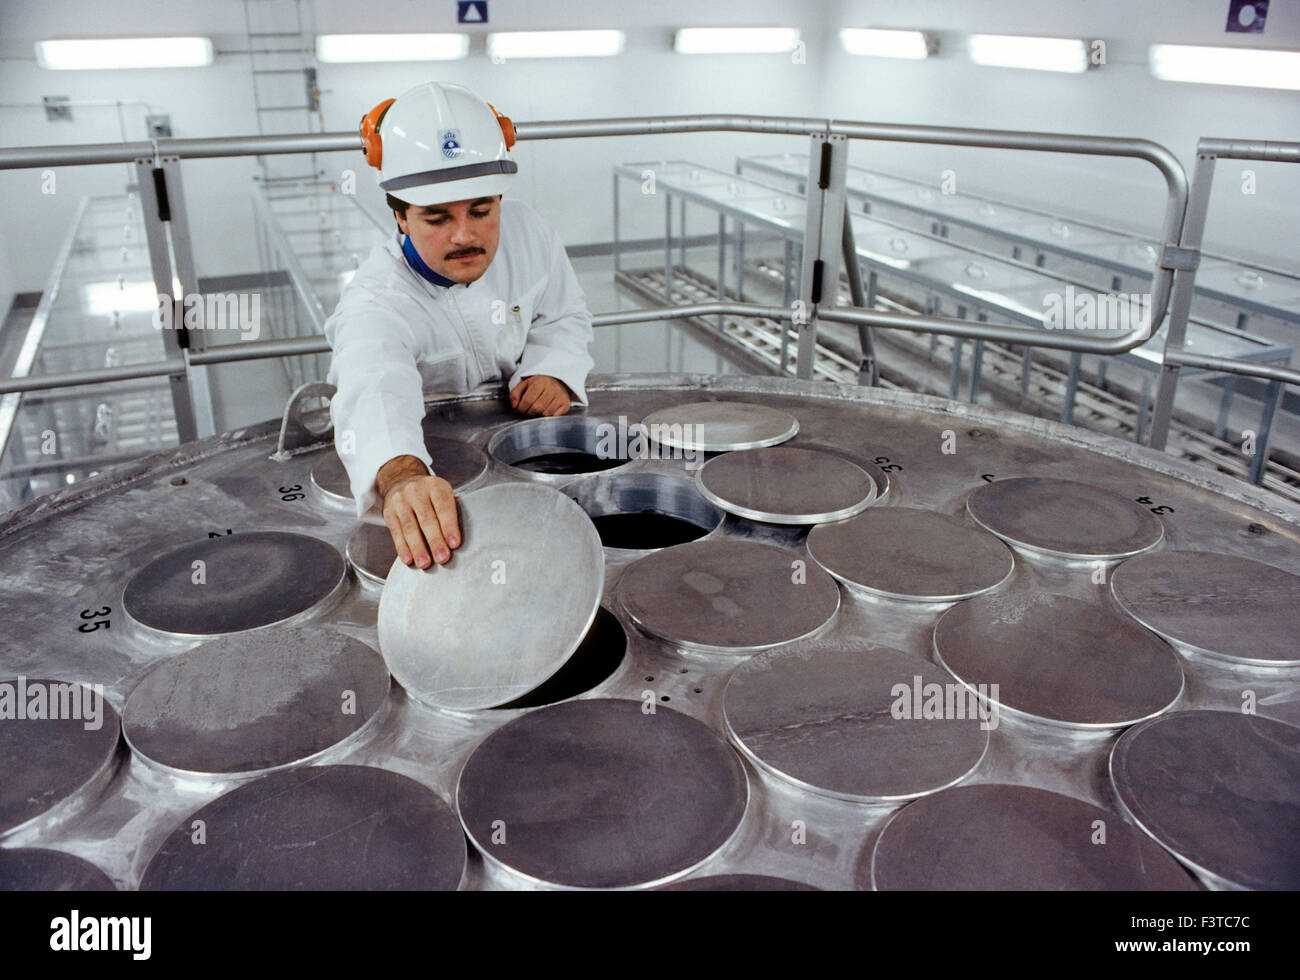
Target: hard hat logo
{"x": 450, "y": 141}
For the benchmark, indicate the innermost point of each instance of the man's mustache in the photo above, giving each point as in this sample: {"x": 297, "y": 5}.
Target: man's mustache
{"x": 475, "y": 250}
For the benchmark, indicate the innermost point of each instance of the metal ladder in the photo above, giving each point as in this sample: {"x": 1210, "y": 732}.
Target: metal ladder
{"x": 286, "y": 96}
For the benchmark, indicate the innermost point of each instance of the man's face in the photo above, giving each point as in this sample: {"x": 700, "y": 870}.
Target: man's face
{"x": 457, "y": 240}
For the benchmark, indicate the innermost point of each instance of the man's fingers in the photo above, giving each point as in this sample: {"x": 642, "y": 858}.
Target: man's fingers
{"x": 528, "y": 404}
{"x": 558, "y": 404}
{"x": 423, "y": 507}
{"x": 414, "y": 537}
{"x": 399, "y": 538}
{"x": 444, "y": 505}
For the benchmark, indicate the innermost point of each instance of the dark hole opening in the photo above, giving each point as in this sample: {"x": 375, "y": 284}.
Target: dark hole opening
{"x": 596, "y": 658}
{"x": 645, "y": 531}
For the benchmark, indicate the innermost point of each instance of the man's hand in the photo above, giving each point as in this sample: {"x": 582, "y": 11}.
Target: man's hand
{"x": 540, "y": 394}
{"x": 420, "y": 511}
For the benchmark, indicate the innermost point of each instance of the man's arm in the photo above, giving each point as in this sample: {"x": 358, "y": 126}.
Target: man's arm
{"x": 377, "y": 413}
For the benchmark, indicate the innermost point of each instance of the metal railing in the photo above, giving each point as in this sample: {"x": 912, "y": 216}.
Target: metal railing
{"x": 823, "y": 233}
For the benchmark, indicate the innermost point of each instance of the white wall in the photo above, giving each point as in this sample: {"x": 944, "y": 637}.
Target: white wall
{"x": 1120, "y": 98}
{"x": 569, "y": 181}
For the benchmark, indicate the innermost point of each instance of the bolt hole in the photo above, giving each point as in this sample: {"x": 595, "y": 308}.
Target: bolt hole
{"x": 682, "y": 671}
{"x": 650, "y": 678}
{"x": 699, "y": 690}
{"x": 664, "y": 697}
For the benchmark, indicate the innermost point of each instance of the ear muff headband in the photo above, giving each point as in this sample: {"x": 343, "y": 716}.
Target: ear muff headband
{"x": 507, "y": 127}
{"x": 371, "y": 144}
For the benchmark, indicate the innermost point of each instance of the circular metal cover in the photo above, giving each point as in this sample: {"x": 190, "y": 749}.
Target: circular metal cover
{"x": 316, "y": 828}
{"x": 1015, "y": 838}
{"x": 1058, "y": 659}
{"x": 459, "y": 463}
{"x": 246, "y": 580}
{"x": 255, "y": 701}
{"x": 852, "y": 724}
{"x": 370, "y": 551}
{"x": 873, "y": 469}
{"x": 726, "y": 595}
{"x": 331, "y": 478}
{"x": 32, "y": 869}
{"x": 906, "y": 553}
{"x": 740, "y": 883}
{"x": 1227, "y": 607}
{"x": 717, "y": 427}
{"x": 506, "y": 611}
{"x": 601, "y": 794}
{"x": 47, "y": 760}
{"x": 787, "y": 485}
{"x": 1220, "y": 790}
{"x": 1064, "y": 519}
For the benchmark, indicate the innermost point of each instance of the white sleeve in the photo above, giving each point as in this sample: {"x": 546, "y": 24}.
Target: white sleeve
{"x": 560, "y": 333}
{"x": 380, "y": 401}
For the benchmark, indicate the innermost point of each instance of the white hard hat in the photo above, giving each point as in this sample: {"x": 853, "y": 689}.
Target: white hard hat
{"x": 440, "y": 142}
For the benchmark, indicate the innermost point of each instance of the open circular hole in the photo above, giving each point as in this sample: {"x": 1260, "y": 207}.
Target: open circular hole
{"x": 557, "y": 449}
{"x": 645, "y": 511}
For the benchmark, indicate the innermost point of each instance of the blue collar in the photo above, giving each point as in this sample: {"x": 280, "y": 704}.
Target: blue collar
{"x": 415, "y": 262}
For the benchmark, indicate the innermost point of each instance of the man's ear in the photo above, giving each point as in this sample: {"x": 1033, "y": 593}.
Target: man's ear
{"x": 401, "y": 223}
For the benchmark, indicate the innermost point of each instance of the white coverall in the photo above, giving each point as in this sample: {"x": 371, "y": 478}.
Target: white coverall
{"x": 396, "y": 335}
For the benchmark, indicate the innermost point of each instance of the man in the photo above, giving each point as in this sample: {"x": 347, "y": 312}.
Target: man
{"x": 477, "y": 289}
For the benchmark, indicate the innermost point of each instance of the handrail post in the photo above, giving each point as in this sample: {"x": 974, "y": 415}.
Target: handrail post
{"x": 823, "y": 240}
{"x": 155, "y": 205}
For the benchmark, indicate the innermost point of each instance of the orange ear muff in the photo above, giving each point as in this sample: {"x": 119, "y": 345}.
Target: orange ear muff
{"x": 371, "y": 145}
{"x": 507, "y": 127}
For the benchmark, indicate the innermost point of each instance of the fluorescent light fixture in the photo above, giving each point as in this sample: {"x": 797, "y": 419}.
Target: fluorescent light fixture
{"x": 885, "y": 44}
{"x": 391, "y": 47}
{"x": 554, "y": 44}
{"x": 124, "y": 52}
{"x": 1258, "y": 67}
{"x": 735, "y": 40}
{"x": 1041, "y": 53}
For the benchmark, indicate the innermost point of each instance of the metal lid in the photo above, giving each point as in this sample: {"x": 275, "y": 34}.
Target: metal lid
{"x": 1064, "y": 519}
{"x": 248, "y": 579}
{"x": 457, "y": 462}
{"x": 506, "y": 611}
{"x": 601, "y": 794}
{"x": 843, "y": 723}
{"x": 371, "y": 553}
{"x": 725, "y": 596}
{"x": 739, "y": 883}
{"x": 47, "y": 760}
{"x": 907, "y": 553}
{"x": 722, "y": 426}
{"x": 787, "y": 485}
{"x": 34, "y": 869}
{"x": 254, "y": 702}
{"x": 1220, "y": 790}
{"x": 1231, "y": 608}
{"x": 1059, "y": 660}
{"x": 1015, "y": 838}
{"x": 317, "y": 828}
